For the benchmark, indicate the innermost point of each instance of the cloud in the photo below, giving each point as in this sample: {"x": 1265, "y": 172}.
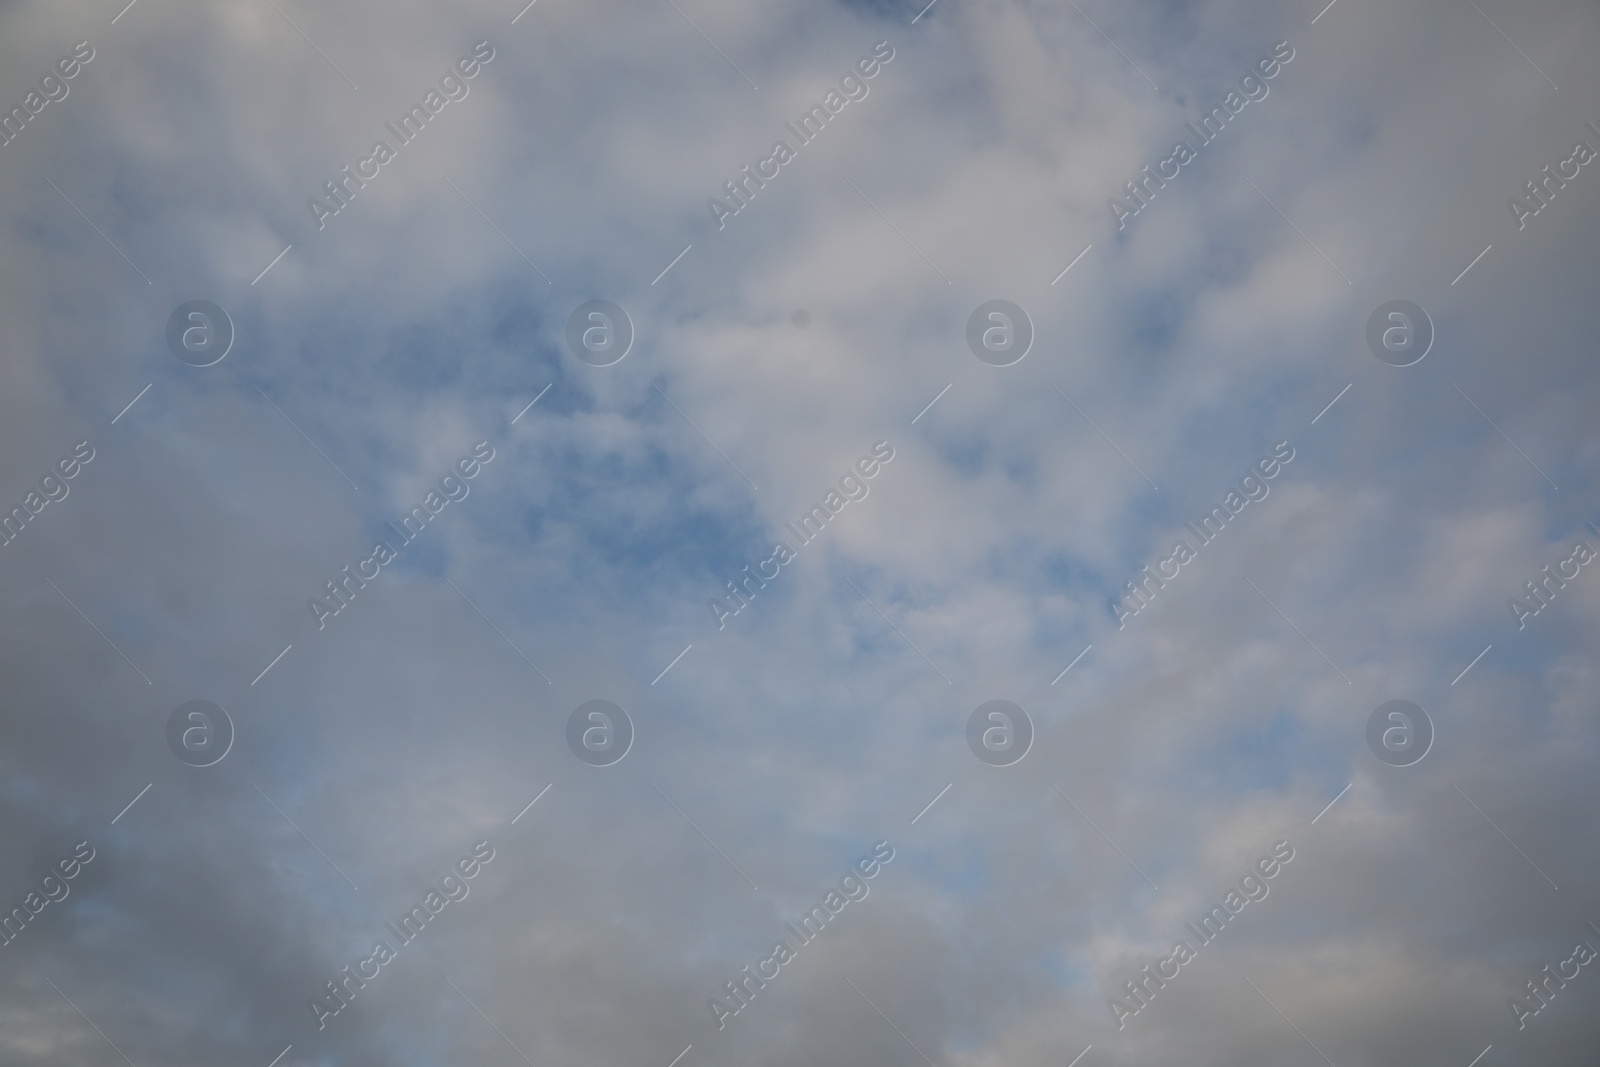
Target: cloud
{"x": 426, "y": 316}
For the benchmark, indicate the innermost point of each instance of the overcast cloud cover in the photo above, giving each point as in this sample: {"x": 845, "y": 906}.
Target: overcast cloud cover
{"x": 776, "y": 748}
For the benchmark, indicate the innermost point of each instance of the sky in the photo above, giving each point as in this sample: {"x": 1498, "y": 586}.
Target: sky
{"x": 1337, "y": 322}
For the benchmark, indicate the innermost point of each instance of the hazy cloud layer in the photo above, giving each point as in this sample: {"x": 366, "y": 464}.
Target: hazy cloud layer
{"x": 1223, "y": 323}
